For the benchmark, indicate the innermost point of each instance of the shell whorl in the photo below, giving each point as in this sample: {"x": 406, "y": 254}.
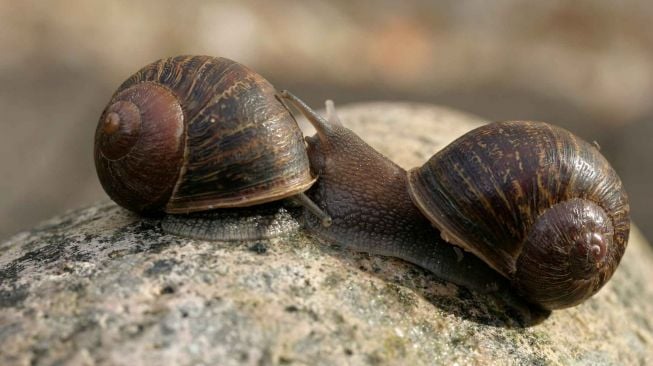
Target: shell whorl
{"x": 230, "y": 142}
{"x": 568, "y": 254}
{"x": 519, "y": 195}
{"x": 120, "y": 128}
{"x": 140, "y": 136}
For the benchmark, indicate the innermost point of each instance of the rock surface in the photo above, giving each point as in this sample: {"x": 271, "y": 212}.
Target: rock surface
{"x": 103, "y": 286}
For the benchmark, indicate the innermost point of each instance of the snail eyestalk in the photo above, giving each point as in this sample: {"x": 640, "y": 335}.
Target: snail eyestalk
{"x": 322, "y": 126}
{"x": 308, "y": 204}
{"x": 332, "y": 116}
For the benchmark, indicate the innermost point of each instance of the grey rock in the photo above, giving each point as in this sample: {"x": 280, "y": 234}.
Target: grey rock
{"x": 101, "y": 285}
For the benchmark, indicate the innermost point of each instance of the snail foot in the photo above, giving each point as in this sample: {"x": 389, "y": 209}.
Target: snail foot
{"x": 236, "y": 224}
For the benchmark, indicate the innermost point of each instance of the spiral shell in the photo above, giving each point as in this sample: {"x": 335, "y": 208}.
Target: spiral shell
{"x": 539, "y": 205}
{"x": 192, "y": 133}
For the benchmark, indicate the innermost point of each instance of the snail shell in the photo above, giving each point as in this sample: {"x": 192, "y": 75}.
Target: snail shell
{"x": 193, "y": 133}
{"x": 539, "y": 205}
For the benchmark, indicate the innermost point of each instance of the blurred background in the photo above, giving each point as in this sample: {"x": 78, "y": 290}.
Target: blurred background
{"x": 584, "y": 65}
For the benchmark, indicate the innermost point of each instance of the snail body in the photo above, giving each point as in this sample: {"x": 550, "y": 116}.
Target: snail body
{"x": 367, "y": 197}
{"x": 542, "y": 208}
{"x": 195, "y": 133}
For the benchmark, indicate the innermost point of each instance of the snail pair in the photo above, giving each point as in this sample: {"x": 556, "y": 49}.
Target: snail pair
{"x": 541, "y": 208}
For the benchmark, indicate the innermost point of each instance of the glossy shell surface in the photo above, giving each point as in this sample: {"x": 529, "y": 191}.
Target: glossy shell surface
{"x": 538, "y": 204}
{"x": 226, "y": 141}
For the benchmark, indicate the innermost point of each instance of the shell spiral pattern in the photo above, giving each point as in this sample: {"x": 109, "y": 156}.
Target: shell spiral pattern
{"x": 192, "y": 133}
{"x": 541, "y": 206}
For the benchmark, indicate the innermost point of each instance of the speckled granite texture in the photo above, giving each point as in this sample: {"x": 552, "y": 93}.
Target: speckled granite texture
{"x": 103, "y": 286}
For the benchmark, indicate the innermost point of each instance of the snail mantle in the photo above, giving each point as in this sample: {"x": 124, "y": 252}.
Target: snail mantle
{"x": 103, "y": 286}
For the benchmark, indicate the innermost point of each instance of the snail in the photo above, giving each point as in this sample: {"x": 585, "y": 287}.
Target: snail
{"x": 540, "y": 207}
{"x": 195, "y": 133}
{"x": 202, "y": 139}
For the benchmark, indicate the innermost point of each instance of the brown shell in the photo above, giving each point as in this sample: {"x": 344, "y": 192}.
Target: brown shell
{"x": 538, "y": 204}
{"x": 224, "y": 140}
